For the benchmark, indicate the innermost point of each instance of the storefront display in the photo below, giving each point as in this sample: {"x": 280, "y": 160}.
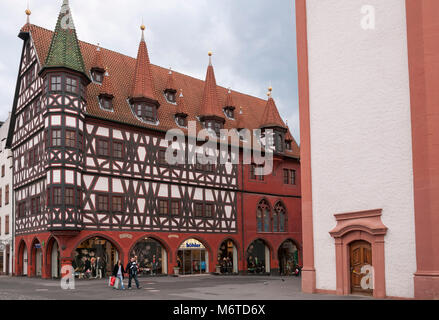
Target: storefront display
{"x": 192, "y": 257}
{"x": 151, "y": 256}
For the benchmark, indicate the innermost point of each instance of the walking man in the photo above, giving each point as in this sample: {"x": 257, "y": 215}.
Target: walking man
{"x": 132, "y": 269}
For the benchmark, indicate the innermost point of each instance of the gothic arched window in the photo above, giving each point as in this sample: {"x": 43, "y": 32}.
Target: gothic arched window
{"x": 263, "y": 217}
{"x": 280, "y": 216}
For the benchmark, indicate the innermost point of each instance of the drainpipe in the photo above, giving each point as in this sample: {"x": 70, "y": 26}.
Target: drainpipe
{"x": 242, "y": 215}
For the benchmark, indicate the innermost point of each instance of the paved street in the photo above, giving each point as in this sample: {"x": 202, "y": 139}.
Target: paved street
{"x": 207, "y": 287}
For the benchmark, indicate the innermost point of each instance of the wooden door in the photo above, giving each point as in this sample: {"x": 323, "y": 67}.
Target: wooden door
{"x": 360, "y": 255}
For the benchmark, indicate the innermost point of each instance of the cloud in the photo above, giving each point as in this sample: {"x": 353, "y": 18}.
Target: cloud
{"x": 254, "y": 42}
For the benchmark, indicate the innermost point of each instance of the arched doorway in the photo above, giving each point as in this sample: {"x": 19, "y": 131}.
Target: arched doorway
{"x": 152, "y": 256}
{"x": 288, "y": 257}
{"x": 361, "y": 267}
{"x": 36, "y": 258}
{"x": 95, "y": 258}
{"x": 53, "y": 258}
{"x": 22, "y": 262}
{"x": 258, "y": 257}
{"x": 228, "y": 257}
{"x": 25, "y": 261}
{"x": 192, "y": 257}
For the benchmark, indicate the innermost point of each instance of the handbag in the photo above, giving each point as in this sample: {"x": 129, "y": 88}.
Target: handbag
{"x": 112, "y": 281}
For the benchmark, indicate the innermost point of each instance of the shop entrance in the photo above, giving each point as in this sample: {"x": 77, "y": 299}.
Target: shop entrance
{"x": 288, "y": 258}
{"x": 152, "y": 257}
{"x": 192, "y": 257}
{"x": 258, "y": 257}
{"x": 94, "y": 258}
{"x": 228, "y": 257}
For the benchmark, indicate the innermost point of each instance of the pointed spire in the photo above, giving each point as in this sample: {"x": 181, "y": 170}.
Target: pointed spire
{"x": 28, "y": 13}
{"x": 64, "y": 50}
{"x": 210, "y": 104}
{"x": 181, "y": 104}
{"x": 107, "y": 88}
{"x": 229, "y": 100}
{"x": 142, "y": 87}
{"x": 271, "y": 117}
{"x": 98, "y": 63}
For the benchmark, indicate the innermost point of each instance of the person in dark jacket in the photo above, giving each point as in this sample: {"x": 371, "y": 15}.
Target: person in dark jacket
{"x": 118, "y": 272}
{"x": 132, "y": 269}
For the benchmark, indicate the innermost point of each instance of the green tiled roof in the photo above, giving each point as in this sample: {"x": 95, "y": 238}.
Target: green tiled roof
{"x": 64, "y": 49}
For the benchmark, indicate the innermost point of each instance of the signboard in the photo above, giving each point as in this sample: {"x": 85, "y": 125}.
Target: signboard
{"x": 37, "y": 246}
{"x": 192, "y": 244}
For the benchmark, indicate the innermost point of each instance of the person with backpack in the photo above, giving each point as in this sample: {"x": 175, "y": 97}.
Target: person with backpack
{"x": 132, "y": 270}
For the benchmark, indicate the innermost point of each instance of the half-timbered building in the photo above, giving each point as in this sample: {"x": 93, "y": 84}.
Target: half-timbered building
{"x": 91, "y": 182}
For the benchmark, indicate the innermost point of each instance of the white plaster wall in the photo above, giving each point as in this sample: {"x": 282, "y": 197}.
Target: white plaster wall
{"x": 6, "y": 210}
{"x": 361, "y": 150}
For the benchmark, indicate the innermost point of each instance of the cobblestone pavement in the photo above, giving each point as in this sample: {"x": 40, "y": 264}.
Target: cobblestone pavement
{"x": 206, "y": 287}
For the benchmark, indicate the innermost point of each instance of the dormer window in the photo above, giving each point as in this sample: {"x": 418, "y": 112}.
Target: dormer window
{"x": 213, "y": 125}
{"x": 181, "y": 120}
{"x": 97, "y": 75}
{"x": 106, "y": 103}
{"x": 145, "y": 112}
{"x": 170, "y": 96}
{"x": 288, "y": 145}
{"x": 229, "y": 112}
{"x": 278, "y": 142}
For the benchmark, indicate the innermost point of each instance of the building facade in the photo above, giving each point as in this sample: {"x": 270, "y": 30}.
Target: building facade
{"x": 91, "y": 180}
{"x": 6, "y": 203}
{"x": 368, "y": 112}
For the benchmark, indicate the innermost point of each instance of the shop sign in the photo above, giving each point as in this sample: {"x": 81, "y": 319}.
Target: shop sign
{"x": 126, "y": 236}
{"x": 191, "y": 244}
{"x": 37, "y": 246}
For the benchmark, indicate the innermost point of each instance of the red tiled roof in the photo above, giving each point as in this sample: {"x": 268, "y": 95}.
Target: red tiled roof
{"x": 107, "y": 85}
{"x": 121, "y": 69}
{"x": 143, "y": 86}
{"x": 210, "y": 104}
{"x": 271, "y": 117}
{"x": 170, "y": 82}
{"x": 97, "y": 62}
{"x": 229, "y": 100}
{"x": 181, "y": 104}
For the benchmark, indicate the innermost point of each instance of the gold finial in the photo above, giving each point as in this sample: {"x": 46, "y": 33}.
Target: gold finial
{"x": 142, "y": 27}
{"x": 210, "y": 53}
{"x": 270, "y": 88}
{"x": 28, "y": 12}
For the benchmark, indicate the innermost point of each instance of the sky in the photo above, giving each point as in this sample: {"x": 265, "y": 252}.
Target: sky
{"x": 253, "y": 41}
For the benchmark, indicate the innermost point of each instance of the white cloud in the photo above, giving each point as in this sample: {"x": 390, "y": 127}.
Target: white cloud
{"x": 253, "y": 43}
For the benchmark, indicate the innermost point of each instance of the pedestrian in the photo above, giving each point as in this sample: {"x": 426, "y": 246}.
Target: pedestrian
{"x": 118, "y": 272}
{"x": 132, "y": 269}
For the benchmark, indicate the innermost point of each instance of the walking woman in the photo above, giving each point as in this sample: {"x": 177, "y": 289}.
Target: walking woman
{"x": 118, "y": 272}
